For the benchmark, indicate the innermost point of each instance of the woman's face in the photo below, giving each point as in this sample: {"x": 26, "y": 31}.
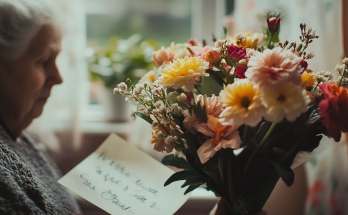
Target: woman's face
{"x": 26, "y": 83}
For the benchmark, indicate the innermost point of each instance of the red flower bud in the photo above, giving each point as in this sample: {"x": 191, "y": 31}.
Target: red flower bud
{"x": 304, "y": 65}
{"x": 273, "y": 24}
{"x": 189, "y": 97}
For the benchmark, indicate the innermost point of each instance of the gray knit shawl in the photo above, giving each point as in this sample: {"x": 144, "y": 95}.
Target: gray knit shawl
{"x": 28, "y": 179}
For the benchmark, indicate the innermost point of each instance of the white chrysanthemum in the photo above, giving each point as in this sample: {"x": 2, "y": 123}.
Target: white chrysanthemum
{"x": 285, "y": 101}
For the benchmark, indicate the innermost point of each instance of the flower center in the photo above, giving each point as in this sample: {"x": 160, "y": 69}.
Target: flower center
{"x": 245, "y": 101}
{"x": 218, "y": 134}
{"x": 281, "y": 98}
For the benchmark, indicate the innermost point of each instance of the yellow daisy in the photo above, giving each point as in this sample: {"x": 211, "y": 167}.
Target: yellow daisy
{"x": 242, "y": 104}
{"x": 182, "y": 72}
{"x": 287, "y": 100}
{"x": 248, "y": 40}
{"x": 148, "y": 77}
{"x": 308, "y": 79}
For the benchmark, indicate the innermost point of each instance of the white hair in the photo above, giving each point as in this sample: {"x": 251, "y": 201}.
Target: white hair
{"x": 20, "y": 21}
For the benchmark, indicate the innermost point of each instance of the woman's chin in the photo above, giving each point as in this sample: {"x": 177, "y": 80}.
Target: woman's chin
{"x": 37, "y": 110}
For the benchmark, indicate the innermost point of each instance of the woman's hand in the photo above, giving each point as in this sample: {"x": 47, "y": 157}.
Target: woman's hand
{"x": 221, "y": 209}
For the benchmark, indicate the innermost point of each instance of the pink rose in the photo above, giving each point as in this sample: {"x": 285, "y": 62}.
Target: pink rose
{"x": 236, "y": 52}
{"x": 162, "y": 55}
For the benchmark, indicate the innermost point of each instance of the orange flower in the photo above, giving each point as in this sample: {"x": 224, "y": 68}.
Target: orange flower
{"x": 159, "y": 136}
{"x": 334, "y": 109}
{"x": 213, "y": 56}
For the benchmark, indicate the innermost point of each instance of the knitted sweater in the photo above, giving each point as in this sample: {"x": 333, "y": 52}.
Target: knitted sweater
{"x": 28, "y": 179}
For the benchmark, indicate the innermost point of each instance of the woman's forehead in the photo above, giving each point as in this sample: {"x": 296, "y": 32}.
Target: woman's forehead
{"x": 48, "y": 39}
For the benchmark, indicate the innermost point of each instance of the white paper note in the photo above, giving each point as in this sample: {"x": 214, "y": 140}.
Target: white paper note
{"x": 122, "y": 180}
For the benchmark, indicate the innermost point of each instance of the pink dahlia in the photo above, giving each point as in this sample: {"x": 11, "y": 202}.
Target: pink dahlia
{"x": 274, "y": 66}
{"x": 236, "y": 52}
{"x": 213, "y": 107}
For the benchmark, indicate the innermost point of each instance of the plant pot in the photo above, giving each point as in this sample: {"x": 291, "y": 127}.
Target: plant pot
{"x": 115, "y": 108}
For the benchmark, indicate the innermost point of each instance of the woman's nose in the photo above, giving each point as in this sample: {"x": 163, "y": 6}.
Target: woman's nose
{"x": 54, "y": 76}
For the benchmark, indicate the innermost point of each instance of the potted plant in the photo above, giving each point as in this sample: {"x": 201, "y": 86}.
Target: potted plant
{"x": 115, "y": 62}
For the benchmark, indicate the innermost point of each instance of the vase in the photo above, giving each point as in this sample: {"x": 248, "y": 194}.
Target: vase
{"x": 115, "y": 108}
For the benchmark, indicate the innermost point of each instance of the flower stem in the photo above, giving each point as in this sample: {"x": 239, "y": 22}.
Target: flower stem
{"x": 269, "y": 44}
{"x": 245, "y": 171}
{"x": 245, "y": 132}
{"x": 267, "y": 134}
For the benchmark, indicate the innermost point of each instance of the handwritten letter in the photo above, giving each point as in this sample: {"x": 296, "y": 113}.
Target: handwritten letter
{"x": 122, "y": 180}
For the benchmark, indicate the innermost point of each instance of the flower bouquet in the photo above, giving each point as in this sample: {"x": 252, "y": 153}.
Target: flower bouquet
{"x": 238, "y": 113}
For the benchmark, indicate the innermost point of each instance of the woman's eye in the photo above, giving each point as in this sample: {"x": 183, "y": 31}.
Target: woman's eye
{"x": 44, "y": 62}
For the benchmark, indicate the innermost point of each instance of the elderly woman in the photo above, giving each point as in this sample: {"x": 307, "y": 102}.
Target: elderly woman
{"x": 29, "y": 45}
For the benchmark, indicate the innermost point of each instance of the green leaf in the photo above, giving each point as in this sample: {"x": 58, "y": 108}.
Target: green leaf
{"x": 182, "y": 175}
{"x": 218, "y": 75}
{"x": 285, "y": 173}
{"x": 278, "y": 153}
{"x": 200, "y": 111}
{"x": 172, "y": 97}
{"x": 221, "y": 168}
{"x": 176, "y": 161}
{"x": 193, "y": 181}
{"x": 262, "y": 131}
{"x": 261, "y": 197}
{"x": 229, "y": 61}
{"x": 191, "y": 188}
{"x": 230, "y": 179}
{"x": 144, "y": 117}
{"x": 192, "y": 161}
{"x": 212, "y": 84}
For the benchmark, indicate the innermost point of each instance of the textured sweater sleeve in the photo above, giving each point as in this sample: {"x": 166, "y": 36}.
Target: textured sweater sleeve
{"x": 18, "y": 190}
{"x": 28, "y": 182}
{"x": 13, "y": 199}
